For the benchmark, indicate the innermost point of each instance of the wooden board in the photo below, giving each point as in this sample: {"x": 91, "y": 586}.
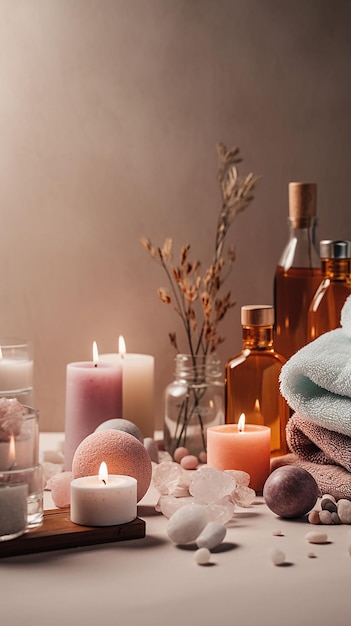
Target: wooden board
{"x": 58, "y": 533}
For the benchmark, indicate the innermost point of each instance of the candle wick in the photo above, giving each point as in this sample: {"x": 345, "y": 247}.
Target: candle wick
{"x": 95, "y": 364}
{"x": 104, "y": 481}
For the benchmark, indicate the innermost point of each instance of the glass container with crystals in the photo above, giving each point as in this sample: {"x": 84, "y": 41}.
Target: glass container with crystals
{"x": 252, "y": 378}
{"x": 325, "y": 309}
{"x": 298, "y": 273}
{"x": 193, "y": 402}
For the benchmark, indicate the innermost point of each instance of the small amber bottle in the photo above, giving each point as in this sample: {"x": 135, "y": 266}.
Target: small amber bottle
{"x": 252, "y": 378}
{"x": 325, "y": 309}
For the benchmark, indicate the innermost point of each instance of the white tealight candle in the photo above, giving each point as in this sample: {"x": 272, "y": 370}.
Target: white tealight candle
{"x": 104, "y": 500}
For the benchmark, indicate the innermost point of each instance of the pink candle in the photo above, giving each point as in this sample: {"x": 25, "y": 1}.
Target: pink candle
{"x": 229, "y": 447}
{"x": 93, "y": 395}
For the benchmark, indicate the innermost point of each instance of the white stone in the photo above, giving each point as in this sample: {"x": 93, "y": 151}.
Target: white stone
{"x": 202, "y": 556}
{"x": 315, "y": 536}
{"x": 277, "y": 556}
{"x": 344, "y": 511}
{"x": 211, "y": 536}
{"x": 186, "y": 524}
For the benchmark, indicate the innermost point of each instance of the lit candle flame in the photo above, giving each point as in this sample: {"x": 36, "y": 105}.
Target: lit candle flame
{"x": 12, "y": 451}
{"x": 103, "y": 473}
{"x": 257, "y": 406}
{"x": 121, "y": 345}
{"x": 241, "y": 423}
{"x": 95, "y": 354}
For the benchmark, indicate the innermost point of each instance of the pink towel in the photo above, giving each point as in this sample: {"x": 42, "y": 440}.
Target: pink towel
{"x": 331, "y": 479}
{"x": 317, "y": 444}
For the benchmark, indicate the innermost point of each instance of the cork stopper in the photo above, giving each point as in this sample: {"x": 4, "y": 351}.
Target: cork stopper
{"x": 302, "y": 200}
{"x": 257, "y": 315}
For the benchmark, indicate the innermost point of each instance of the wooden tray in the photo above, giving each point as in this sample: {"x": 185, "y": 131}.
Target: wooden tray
{"x": 58, "y": 533}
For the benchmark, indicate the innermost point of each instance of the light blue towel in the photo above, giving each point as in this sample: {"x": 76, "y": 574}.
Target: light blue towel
{"x": 316, "y": 381}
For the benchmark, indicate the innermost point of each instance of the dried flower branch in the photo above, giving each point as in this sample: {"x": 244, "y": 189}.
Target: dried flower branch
{"x": 196, "y": 296}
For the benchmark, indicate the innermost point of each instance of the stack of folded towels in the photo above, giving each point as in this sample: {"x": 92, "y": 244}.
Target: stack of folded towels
{"x": 316, "y": 383}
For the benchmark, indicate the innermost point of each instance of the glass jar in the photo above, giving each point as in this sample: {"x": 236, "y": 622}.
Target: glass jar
{"x": 193, "y": 402}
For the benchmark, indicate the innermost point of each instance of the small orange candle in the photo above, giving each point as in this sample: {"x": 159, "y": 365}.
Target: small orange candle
{"x": 243, "y": 447}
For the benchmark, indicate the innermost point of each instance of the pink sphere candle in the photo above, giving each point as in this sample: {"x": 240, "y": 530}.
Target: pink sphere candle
{"x": 248, "y": 450}
{"x": 93, "y": 395}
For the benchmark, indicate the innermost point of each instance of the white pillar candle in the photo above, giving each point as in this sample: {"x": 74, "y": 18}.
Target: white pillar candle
{"x": 16, "y": 368}
{"x": 13, "y": 510}
{"x": 103, "y": 501}
{"x": 138, "y": 388}
{"x": 93, "y": 395}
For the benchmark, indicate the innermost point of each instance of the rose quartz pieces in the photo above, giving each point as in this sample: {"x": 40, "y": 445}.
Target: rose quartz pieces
{"x": 242, "y": 479}
{"x": 60, "y": 485}
{"x": 166, "y": 476}
{"x": 210, "y": 485}
{"x": 243, "y": 496}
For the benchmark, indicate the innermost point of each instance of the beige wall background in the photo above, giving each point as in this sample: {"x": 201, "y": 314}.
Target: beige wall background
{"x": 110, "y": 112}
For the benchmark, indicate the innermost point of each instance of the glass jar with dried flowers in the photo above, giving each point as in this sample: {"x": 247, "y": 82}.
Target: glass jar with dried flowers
{"x": 195, "y": 399}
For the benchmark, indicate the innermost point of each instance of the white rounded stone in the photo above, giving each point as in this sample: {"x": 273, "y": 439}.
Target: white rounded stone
{"x": 315, "y": 536}
{"x": 211, "y": 536}
{"x": 202, "y": 556}
{"x": 186, "y": 523}
{"x": 152, "y": 448}
{"x": 277, "y": 556}
{"x": 344, "y": 511}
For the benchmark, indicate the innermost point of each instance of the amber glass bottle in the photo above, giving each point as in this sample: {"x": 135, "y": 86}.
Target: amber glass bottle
{"x": 252, "y": 378}
{"x": 298, "y": 273}
{"x": 335, "y": 286}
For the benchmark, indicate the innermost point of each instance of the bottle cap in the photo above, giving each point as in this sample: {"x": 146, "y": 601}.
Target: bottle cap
{"x": 302, "y": 200}
{"x": 257, "y": 315}
{"x": 338, "y": 249}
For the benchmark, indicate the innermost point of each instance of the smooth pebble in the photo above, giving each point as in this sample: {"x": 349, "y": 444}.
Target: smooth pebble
{"x": 202, "y": 556}
{"x": 203, "y": 457}
{"x": 179, "y": 453}
{"x": 316, "y": 537}
{"x": 325, "y": 516}
{"x": 344, "y": 511}
{"x": 211, "y": 536}
{"x": 152, "y": 448}
{"x": 189, "y": 462}
{"x": 277, "y": 533}
{"x": 186, "y": 524}
{"x": 328, "y": 503}
{"x": 313, "y": 517}
{"x": 277, "y": 557}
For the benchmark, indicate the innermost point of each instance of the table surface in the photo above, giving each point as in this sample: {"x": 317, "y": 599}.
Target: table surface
{"x": 151, "y": 581}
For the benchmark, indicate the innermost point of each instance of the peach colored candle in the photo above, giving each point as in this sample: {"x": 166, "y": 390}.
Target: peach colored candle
{"x": 229, "y": 447}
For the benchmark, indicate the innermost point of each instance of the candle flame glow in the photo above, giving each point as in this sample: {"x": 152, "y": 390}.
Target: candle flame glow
{"x": 95, "y": 354}
{"x": 121, "y": 345}
{"x": 257, "y": 406}
{"x": 12, "y": 451}
{"x": 241, "y": 423}
{"x": 103, "y": 473}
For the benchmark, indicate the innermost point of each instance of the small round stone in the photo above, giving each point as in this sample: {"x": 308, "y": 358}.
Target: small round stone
{"x": 203, "y": 457}
{"x": 344, "y": 511}
{"x": 325, "y": 516}
{"x": 335, "y": 518}
{"x": 151, "y": 446}
{"x": 316, "y": 537}
{"x": 118, "y": 423}
{"x": 202, "y": 556}
{"x": 328, "y": 503}
{"x": 313, "y": 517}
{"x": 189, "y": 462}
{"x": 211, "y": 536}
{"x": 277, "y": 557}
{"x": 179, "y": 453}
{"x": 186, "y": 524}
{"x": 277, "y": 533}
